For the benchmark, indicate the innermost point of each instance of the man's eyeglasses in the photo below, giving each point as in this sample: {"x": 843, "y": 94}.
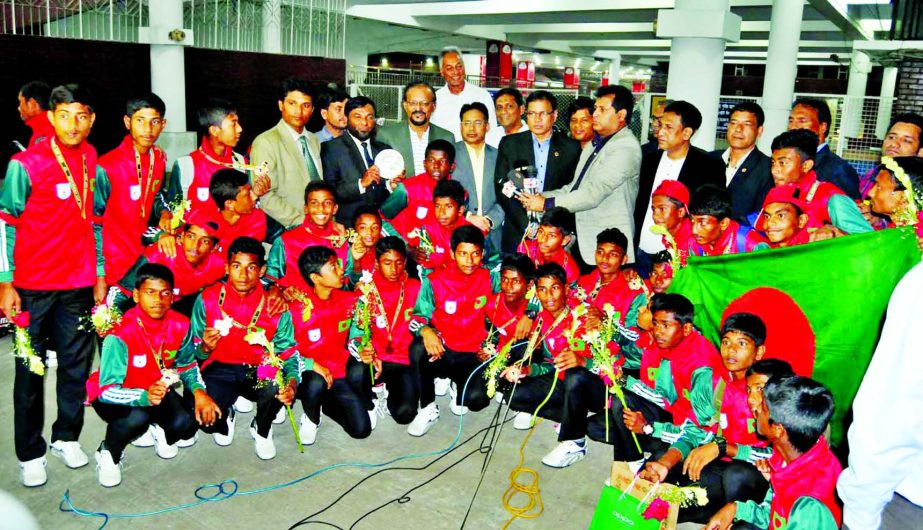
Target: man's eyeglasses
{"x": 419, "y": 104}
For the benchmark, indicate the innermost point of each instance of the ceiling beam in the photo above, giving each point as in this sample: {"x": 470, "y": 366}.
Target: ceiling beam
{"x": 505, "y": 7}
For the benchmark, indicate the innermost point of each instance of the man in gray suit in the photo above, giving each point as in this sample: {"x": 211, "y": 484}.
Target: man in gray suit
{"x": 475, "y": 162}
{"x": 411, "y": 135}
{"x": 604, "y": 191}
{"x": 291, "y": 152}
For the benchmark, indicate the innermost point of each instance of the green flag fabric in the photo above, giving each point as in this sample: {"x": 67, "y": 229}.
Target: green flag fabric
{"x": 843, "y": 286}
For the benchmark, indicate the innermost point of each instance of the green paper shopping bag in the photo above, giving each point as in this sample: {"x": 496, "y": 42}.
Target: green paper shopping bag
{"x": 621, "y": 506}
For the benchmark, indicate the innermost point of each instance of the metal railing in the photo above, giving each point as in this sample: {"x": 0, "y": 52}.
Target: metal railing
{"x": 86, "y": 19}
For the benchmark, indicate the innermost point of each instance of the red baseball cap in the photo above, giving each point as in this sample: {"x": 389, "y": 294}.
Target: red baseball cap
{"x": 788, "y": 193}
{"x": 673, "y": 189}
{"x": 204, "y": 221}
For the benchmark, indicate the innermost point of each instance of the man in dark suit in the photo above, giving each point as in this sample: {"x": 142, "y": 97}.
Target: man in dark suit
{"x": 349, "y": 161}
{"x": 747, "y": 169}
{"x": 814, "y": 115}
{"x": 656, "y": 114}
{"x": 475, "y": 162}
{"x": 553, "y": 155}
{"x": 678, "y": 160}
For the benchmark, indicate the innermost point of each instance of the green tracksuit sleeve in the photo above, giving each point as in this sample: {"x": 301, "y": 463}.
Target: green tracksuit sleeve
{"x": 113, "y": 368}
{"x": 101, "y": 194}
{"x": 395, "y": 202}
{"x": 283, "y": 340}
{"x": 845, "y": 215}
{"x": 14, "y": 193}
{"x": 807, "y": 513}
{"x": 193, "y": 341}
{"x": 275, "y": 265}
{"x": 631, "y": 350}
{"x": 425, "y": 305}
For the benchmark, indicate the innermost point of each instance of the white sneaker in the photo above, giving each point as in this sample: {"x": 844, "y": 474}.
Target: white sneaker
{"x": 307, "y": 430}
{"x": 265, "y": 448}
{"x": 71, "y": 453}
{"x": 380, "y": 407}
{"x": 523, "y": 421}
{"x": 32, "y": 473}
{"x": 108, "y": 472}
{"x": 565, "y": 454}
{"x": 373, "y": 417}
{"x": 442, "y": 386}
{"x": 225, "y": 440}
{"x": 425, "y": 418}
{"x": 499, "y": 397}
{"x": 145, "y": 440}
{"x": 381, "y": 391}
{"x": 163, "y": 449}
{"x": 280, "y": 416}
{"x": 51, "y": 359}
{"x": 243, "y": 405}
{"x": 458, "y": 410}
{"x": 188, "y": 442}
{"x": 556, "y": 427}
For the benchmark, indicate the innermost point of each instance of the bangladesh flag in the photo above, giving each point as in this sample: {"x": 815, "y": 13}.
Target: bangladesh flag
{"x": 842, "y": 285}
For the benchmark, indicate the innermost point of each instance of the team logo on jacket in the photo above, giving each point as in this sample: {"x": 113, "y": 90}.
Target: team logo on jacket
{"x": 139, "y": 361}
{"x": 135, "y": 192}
{"x": 176, "y": 291}
{"x": 723, "y": 421}
{"x": 381, "y": 321}
{"x": 422, "y": 211}
{"x": 202, "y": 194}
{"x": 450, "y": 307}
{"x": 63, "y": 191}
{"x": 314, "y": 335}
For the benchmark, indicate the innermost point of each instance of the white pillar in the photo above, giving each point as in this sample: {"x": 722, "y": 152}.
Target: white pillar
{"x": 886, "y": 103}
{"x": 859, "y": 67}
{"x": 615, "y": 66}
{"x": 272, "y": 26}
{"x": 699, "y": 30}
{"x": 779, "y": 80}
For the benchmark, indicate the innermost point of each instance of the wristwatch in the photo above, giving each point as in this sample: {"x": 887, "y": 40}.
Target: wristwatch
{"x": 722, "y": 446}
{"x": 648, "y": 429}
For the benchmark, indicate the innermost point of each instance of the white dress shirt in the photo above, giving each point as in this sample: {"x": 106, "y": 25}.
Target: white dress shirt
{"x": 729, "y": 170}
{"x": 667, "y": 169}
{"x": 448, "y": 106}
{"x": 418, "y": 146}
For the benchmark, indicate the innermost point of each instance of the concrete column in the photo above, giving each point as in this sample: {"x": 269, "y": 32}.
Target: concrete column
{"x": 699, "y": 30}
{"x": 886, "y": 103}
{"x": 615, "y": 66}
{"x": 859, "y": 67}
{"x": 272, "y": 26}
{"x": 779, "y": 82}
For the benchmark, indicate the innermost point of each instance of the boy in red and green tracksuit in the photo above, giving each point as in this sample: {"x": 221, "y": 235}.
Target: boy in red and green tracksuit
{"x": 803, "y": 469}
{"x": 52, "y": 198}
{"x": 191, "y": 174}
{"x": 136, "y": 171}
{"x": 714, "y": 233}
{"x": 141, "y": 361}
{"x": 410, "y": 205}
{"x": 509, "y": 313}
{"x": 238, "y": 216}
{"x": 322, "y": 328}
{"x": 369, "y": 230}
{"x": 391, "y": 295}
{"x": 783, "y": 218}
{"x": 223, "y": 316}
{"x": 449, "y": 327}
{"x": 670, "y": 211}
{"x": 555, "y": 231}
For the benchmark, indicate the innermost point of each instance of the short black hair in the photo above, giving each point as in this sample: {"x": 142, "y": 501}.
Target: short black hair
{"x": 622, "y": 98}
{"x": 466, "y": 234}
{"x": 909, "y": 117}
{"x": 70, "y": 93}
{"x": 364, "y": 209}
{"x": 295, "y": 84}
{"x": 801, "y": 405}
{"x": 153, "y": 271}
{"x": 451, "y": 189}
{"x": 357, "y": 103}
{"x": 581, "y": 103}
{"x": 210, "y": 224}
{"x": 614, "y": 236}
{"x": 748, "y": 324}
{"x": 551, "y": 270}
{"x": 663, "y": 256}
{"x": 417, "y": 83}
{"x": 330, "y": 96}
{"x": 225, "y": 184}
{"x": 677, "y": 304}
{"x": 146, "y": 101}
{"x": 560, "y": 218}
{"x": 801, "y": 140}
{"x": 443, "y": 145}
{"x": 711, "y": 200}
{"x": 540, "y": 95}
{"x": 320, "y": 185}
{"x": 214, "y": 112}
{"x": 37, "y": 90}
{"x": 771, "y": 368}
{"x": 512, "y": 92}
{"x": 247, "y": 245}
{"x": 475, "y": 105}
{"x": 389, "y": 243}
{"x": 312, "y": 259}
{"x": 689, "y": 115}
{"x": 820, "y": 107}
{"x": 753, "y": 108}
{"x": 520, "y": 263}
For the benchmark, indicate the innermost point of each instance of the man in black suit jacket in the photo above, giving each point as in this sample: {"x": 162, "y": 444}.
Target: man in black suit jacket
{"x": 814, "y": 115}
{"x": 518, "y": 150}
{"x": 348, "y": 161}
{"x": 677, "y": 160}
{"x": 746, "y": 166}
